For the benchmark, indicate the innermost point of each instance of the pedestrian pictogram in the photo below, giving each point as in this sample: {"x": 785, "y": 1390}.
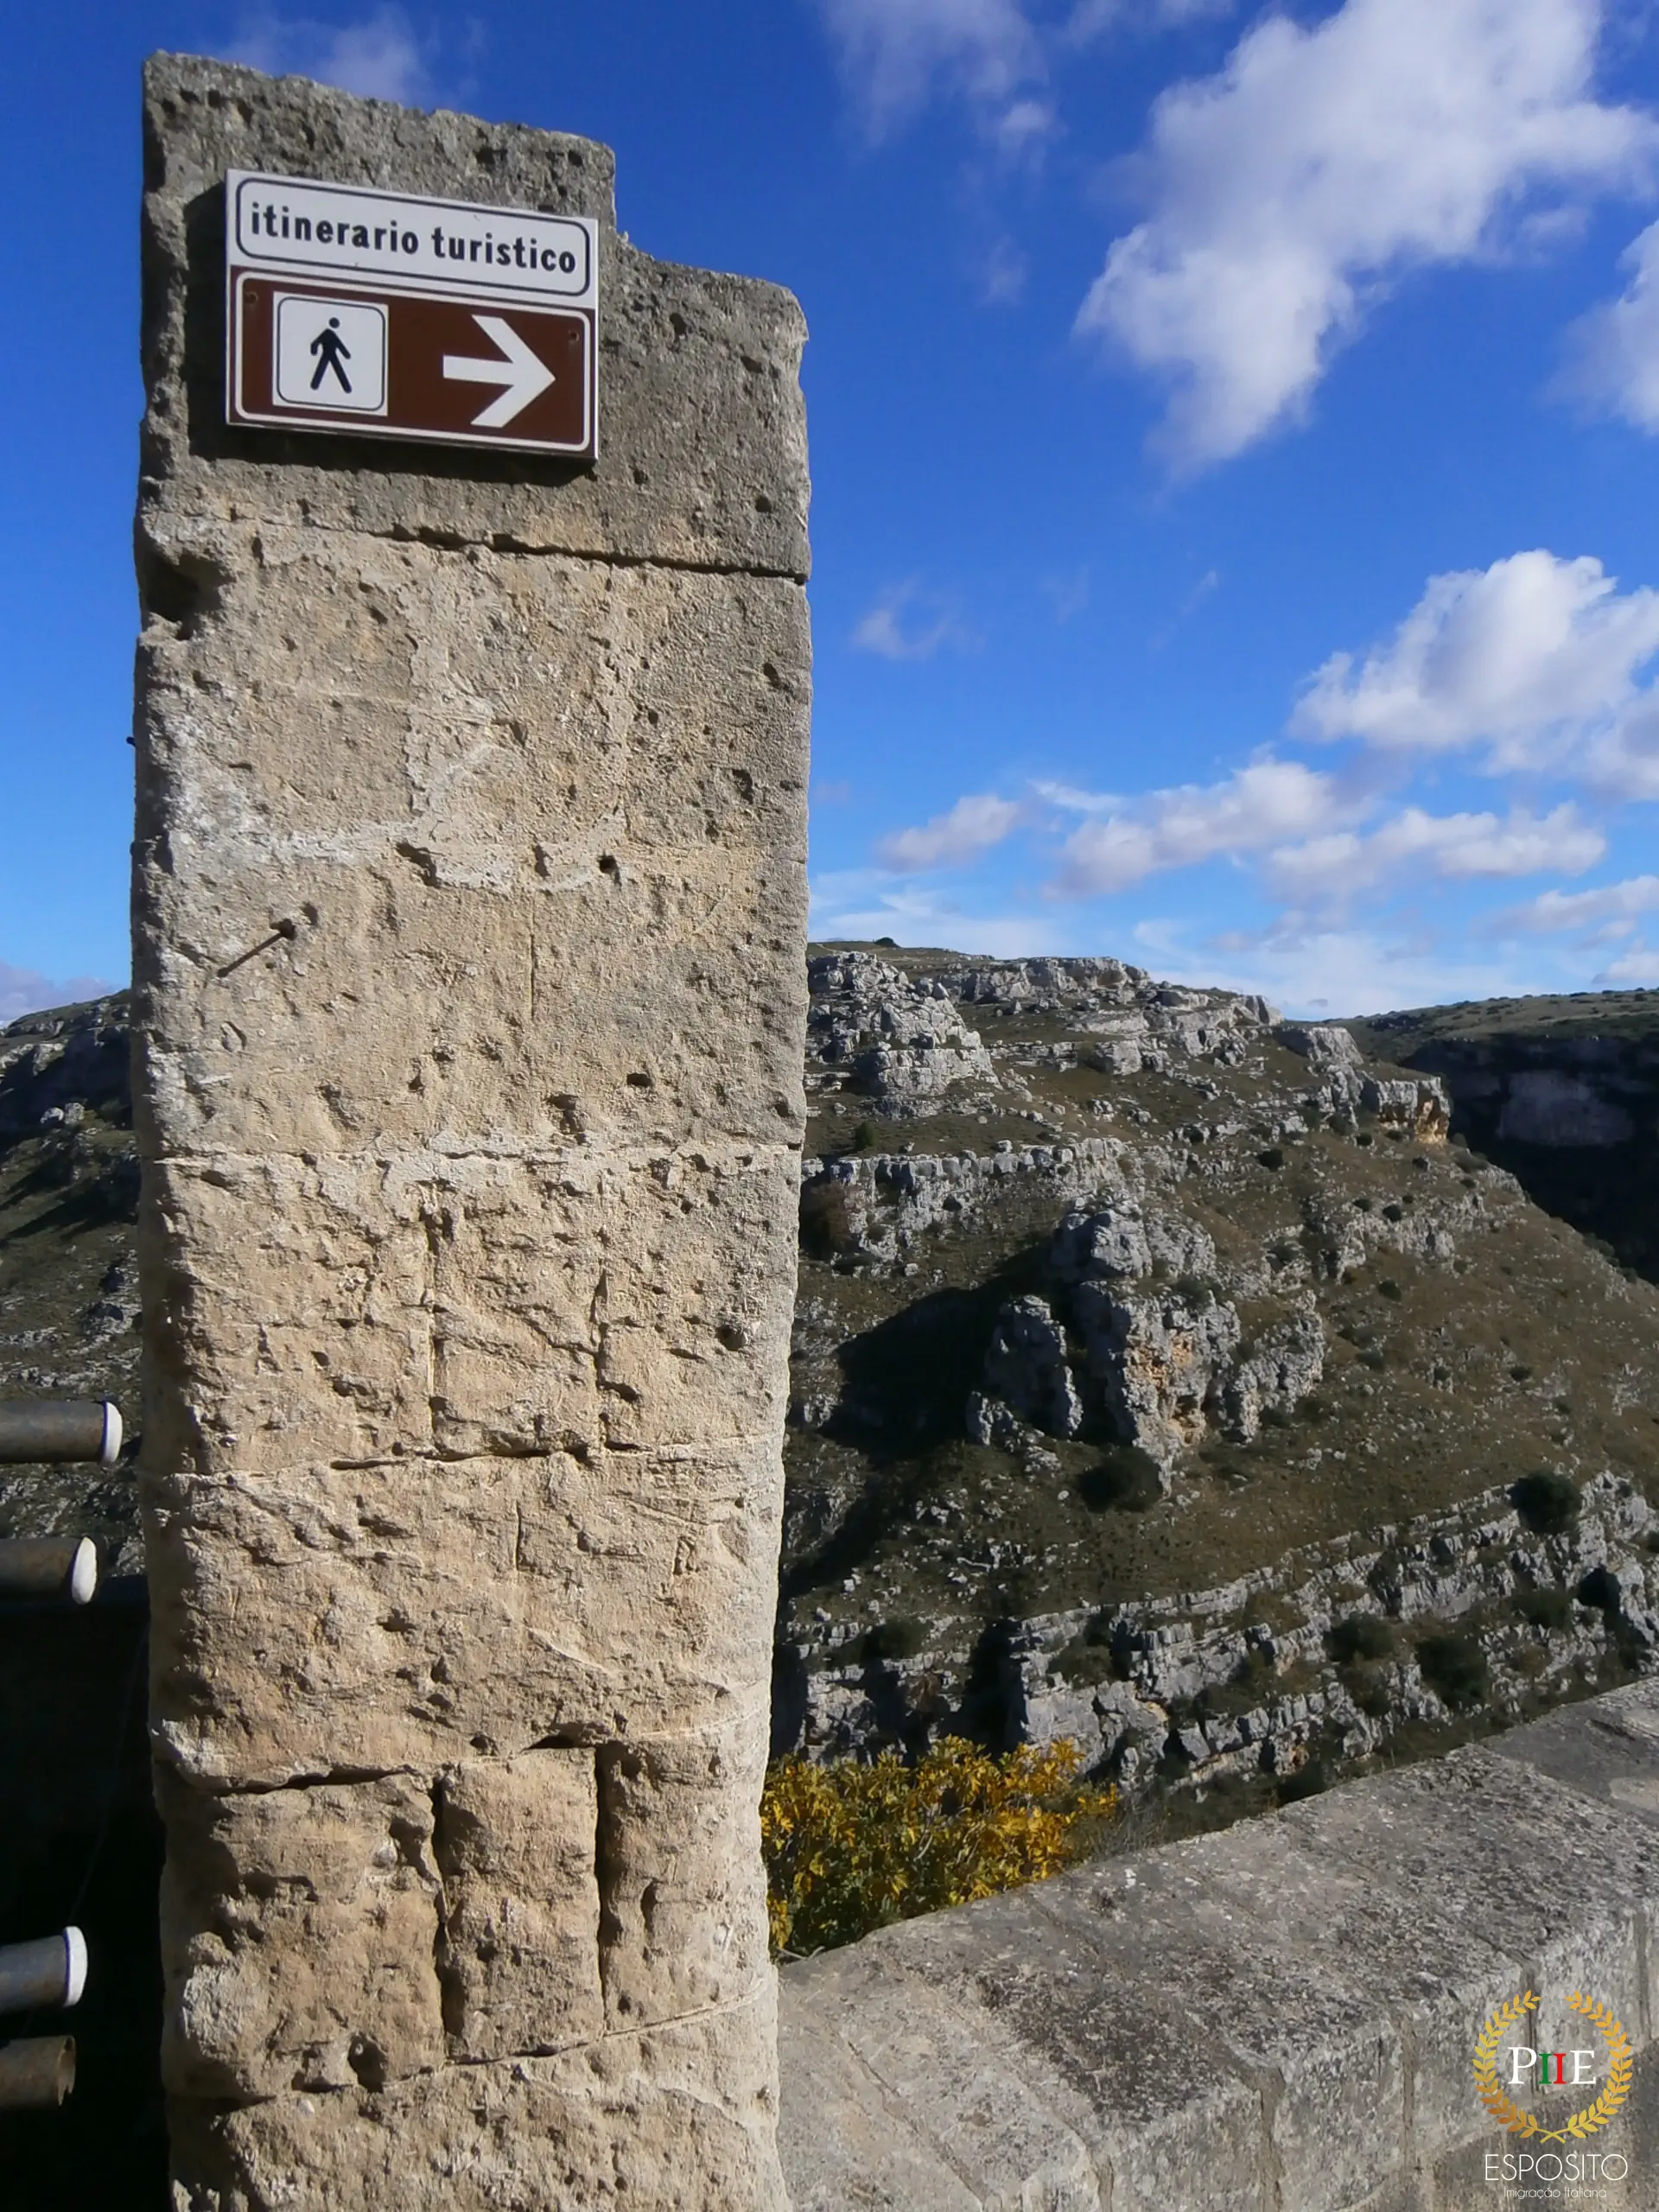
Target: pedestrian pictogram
{"x": 364, "y": 312}
{"x": 332, "y": 352}
{"x": 329, "y": 352}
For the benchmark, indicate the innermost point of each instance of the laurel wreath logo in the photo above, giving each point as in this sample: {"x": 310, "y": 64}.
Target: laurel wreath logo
{"x": 1527, "y": 2124}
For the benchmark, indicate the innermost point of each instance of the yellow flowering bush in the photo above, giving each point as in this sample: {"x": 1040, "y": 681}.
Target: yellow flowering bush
{"x": 855, "y": 1844}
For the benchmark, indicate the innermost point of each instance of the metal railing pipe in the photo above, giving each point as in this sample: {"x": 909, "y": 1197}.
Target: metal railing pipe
{"x": 59, "y": 1429}
{"x": 48, "y": 1567}
{"x": 36, "y": 2072}
{"x": 52, "y": 1971}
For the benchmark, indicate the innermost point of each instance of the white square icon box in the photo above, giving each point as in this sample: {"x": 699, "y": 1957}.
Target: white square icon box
{"x": 330, "y": 353}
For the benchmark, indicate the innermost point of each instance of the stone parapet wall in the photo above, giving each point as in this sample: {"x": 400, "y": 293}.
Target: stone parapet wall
{"x": 469, "y": 1021}
{"x": 1279, "y": 2017}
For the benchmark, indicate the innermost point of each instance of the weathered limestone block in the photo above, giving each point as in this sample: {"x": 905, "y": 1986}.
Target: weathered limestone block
{"x": 1162, "y": 1361}
{"x": 519, "y": 1955}
{"x": 699, "y": 373}
{"x": 681, "y": 1883}
{"x": 453, "y": 1005}
{"x": 1286, "y": 1361}
{"x": 300, "y": 1927}
{"x": 609, "y": 761}
{"x": 409, "y": 1613}
{"x": 1417, "y": 1104}
{"x": 469, "y": 901}
{"x": 677, "y": 2118}
{"x": 542, "y": 666}
{"x": 1026, "y": 1367}
{"x": 485, "y": 1300}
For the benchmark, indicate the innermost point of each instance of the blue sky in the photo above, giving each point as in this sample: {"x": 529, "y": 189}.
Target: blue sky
{"x": 1235, "y": 440}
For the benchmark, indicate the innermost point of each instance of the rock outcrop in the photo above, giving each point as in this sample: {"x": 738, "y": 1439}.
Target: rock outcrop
{"x": 875, "y": 1031}
{"x": 1183, "y": 1298}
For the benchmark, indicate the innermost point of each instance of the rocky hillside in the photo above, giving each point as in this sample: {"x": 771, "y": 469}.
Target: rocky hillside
{"x": 1208, "y": 1388}
{"x": 1182, "y": 1379}
{"x": 1562, "y": 1091}
{"x": 68, "y": 1302}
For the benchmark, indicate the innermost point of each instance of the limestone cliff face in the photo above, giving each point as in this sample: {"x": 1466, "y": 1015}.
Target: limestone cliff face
{"x": 1564, "y": 1092}
{"x": 1132, "y": 1369}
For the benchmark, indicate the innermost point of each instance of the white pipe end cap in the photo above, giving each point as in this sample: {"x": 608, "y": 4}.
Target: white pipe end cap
{"x": 75, "y": 1965}
{"x": 110, "y": 1450}
{"x": 83, "y": 1572}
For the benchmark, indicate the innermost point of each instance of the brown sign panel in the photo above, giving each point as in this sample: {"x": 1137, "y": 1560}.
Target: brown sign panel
{"x": 371, "y": 360}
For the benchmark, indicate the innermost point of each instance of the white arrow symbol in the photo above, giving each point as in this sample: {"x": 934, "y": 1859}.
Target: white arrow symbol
{"x": 524, "y": 374}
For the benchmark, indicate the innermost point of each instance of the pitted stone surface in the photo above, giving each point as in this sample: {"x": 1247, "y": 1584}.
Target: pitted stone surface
{"x": 519, "y": 1956}
{"x": 469, "y": 1025}
{"x": 1279, "y": 2017}
{"x": 303, "y": 1923}
{"x": 703, "y": 427}
{"x": 680, "y": 2117}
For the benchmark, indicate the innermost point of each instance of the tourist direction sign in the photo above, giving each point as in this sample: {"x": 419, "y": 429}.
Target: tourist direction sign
{"x": 379, "y": 315}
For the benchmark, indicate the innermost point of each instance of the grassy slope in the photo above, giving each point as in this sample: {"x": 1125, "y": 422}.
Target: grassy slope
{"x": 1527, "y": 1350}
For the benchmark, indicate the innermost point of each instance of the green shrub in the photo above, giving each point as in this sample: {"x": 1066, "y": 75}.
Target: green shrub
{"x": 1547, "y": 1501}
{"x": 895, "y": 1639}
{"x": 1360, "y": 1635}
{"x": 1599, "y": 1592}
{"x": 1127, "y": 1479}
{"x": 1455, "y": 1669}
{"x": 1307, "y": 1781}
{"x": 1546, "y": 1609}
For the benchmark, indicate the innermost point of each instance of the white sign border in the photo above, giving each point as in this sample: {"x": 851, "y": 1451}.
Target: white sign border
{"x": 241, "y": 255}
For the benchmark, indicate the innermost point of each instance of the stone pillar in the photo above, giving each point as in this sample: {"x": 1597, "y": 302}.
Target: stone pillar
{"x": 469, "y": 1006}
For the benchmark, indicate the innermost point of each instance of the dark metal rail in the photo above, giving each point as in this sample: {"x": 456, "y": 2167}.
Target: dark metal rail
{"x": 37, "y": 2072}
{"x": 59, "y": 1429}
{"x": 48, "y": 1567}
{"x": 51, "y": 1971}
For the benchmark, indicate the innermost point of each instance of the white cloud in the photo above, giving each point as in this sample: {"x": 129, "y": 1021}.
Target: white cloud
{"x": 1025, "y": 125}
{"x": 909, "y": 624}
{"x": 1610, "y": 906}
{"x": 1071, "y": 800}
{"x": 1450, "y": 846}
{"x": 1092, "y": 17}
{"x": 1636, "y": 969}
{"x": 1321, "y": 164}
{"x": 378, "y": 57}
{"x": 859, "y": 902}
{"x": 1209, "y": 582}
{"x": 972, "y": 826}
{"x": 1614, "y": 350}
{"x": 895, "y": 53}
{"x": 1328, "y": 971}
{"x": 1535, "y": 657}
{"x": 1067, "y": 591}
{"x": 1000, "y": 270}
{"x": 25, "y": 990}
{"x": 1256, "y": 808}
